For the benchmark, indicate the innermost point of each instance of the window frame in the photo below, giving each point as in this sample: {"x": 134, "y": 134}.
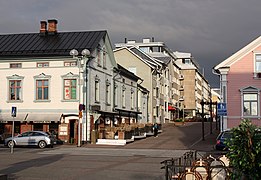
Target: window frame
{"x": 42, "y": 77}
{"x": 123, "y": 96}
{"x": 15, "y": 78}
{"x": 43, "y": 64}
{"x": 70, "y": 89}
{"x": 97, "y": 90}
{"x": 250, "y": 91}
{"x": 18, "y": 65}
{"x": 108, "y": 92}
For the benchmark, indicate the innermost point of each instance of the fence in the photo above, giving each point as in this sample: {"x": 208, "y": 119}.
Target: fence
{"x": 195, "y": 166}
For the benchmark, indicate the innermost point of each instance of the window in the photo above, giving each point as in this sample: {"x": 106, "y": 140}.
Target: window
{"x": 104, "y": 58}
{"x": 132, "y": 99}
{"x": 116, "y": 95}
{"x": 108, "y": 92}
{"x": 42, "y": 87}
{"x": 42, "y": 64}
{"x": 15, "y": 65}
{"x": 258, "y": 63}
{"x": 97, "y": 90}
{"x": 70, "y": 63}
{"x": 70, "y": 89}
{"x": 250, "y": 101}
{"x": 250, "y": 104}
{"x": 15, "y": 90}
{"x": 123, "y": 97}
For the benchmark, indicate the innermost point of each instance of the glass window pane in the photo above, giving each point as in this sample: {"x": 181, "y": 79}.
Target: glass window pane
{"x": 254, "y": 108}
{"x": 73, "y": 95}
{"x": 45, "y": 82}
{"x": 246, "y": 108}
{"x": 39, "y": 93}
{"x": 250, "y": 97}
{"x": 73, "y": 82}
{"x": 39, "y": 83}
{"x": 258, "y": 66}
{"x": 45, "y": 93}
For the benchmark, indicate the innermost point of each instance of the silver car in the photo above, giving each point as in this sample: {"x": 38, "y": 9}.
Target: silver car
{"x": 30, "y": 138}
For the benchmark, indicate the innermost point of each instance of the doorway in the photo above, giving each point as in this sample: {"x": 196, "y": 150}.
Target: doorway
{"x": 72, "y": 130}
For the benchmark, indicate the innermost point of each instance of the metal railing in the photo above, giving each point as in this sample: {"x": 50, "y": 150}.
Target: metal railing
{"x": 193, "y": 165}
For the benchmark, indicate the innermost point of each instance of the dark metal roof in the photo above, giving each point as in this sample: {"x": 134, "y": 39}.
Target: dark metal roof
{"x": 165, "y": 59}
{"x": 60, "y": 44}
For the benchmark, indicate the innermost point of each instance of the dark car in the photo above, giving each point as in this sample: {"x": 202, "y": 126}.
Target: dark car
{"x": 221, "y": 138}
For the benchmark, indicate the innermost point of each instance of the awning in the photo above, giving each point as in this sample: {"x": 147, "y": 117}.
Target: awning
{"x": 171, "y": 108}
{"x": 33, "y": 117}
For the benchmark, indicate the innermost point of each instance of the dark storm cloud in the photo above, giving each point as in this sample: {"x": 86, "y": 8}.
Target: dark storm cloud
{"x": 211, "y": 30}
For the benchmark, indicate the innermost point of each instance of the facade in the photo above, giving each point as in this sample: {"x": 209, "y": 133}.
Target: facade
{"x": 165, "y": 79}
{"x": 194, "y": 87}
{"x": 240, "y": 87}
{"x": 55, "y": 89}
{"x": 147, "y": 70}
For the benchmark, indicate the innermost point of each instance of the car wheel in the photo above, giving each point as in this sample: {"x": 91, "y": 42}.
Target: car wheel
{"x": 10, "y": 144}
{"x": 42, "y": 144}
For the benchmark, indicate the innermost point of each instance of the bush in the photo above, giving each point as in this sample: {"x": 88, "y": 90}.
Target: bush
{"x": 245, "y": 151}
{"x": 178, "y": 120}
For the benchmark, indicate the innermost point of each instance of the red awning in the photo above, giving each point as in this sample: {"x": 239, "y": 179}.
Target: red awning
{"x": 171, "y": 108}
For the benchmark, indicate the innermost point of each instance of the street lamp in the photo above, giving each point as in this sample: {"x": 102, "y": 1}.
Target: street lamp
{"x": 84, "y": 54}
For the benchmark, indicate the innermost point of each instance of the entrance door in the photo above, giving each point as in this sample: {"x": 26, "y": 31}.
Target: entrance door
{"x": 72, "y": 130}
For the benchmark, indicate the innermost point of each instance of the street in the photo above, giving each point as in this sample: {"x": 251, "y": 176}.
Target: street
{"x": 138, "y": 160}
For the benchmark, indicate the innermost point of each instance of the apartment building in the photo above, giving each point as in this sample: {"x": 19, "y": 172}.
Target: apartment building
{"x": 194, "y": 86}
{"x": 165, "y": 97}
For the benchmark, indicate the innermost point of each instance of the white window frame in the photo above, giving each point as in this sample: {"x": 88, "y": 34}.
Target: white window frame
{"x": 15, "y": 78}
{"x": 115, "y": 95}
{"x": 108, "y": 92}
{"x": 97, "y": 90}
{"x": 123, "y": 96}
{"x": 132, "y": 99}
{"x": 42, "y": 77}
{"x": 70, "y": 76}
{"x": 250, "y": 91}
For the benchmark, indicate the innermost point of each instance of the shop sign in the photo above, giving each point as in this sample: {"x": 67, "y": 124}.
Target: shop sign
{"x": 41, "y": 121}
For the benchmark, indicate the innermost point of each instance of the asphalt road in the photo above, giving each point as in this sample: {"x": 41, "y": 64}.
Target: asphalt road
{"x": 138, "y": 160}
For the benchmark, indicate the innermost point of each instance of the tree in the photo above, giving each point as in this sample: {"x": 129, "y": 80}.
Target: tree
{"x": 245, "y": 151}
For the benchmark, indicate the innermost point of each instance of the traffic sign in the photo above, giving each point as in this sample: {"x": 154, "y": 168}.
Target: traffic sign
{"x": 222, "y": 109}
{"x": 13, "y": 112}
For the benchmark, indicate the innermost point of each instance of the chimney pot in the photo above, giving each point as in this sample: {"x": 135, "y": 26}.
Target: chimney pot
{"x": 52, "y": 26}
{"x": 43, "y": 28}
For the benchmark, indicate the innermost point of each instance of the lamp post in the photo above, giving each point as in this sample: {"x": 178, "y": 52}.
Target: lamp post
{"x": 84, "y": 54}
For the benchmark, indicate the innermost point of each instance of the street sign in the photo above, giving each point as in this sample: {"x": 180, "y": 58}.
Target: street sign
{"x": 13, "y": 112}
{"x": 222, "y": 109}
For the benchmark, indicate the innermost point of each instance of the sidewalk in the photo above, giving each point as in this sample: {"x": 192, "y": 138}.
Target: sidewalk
{"x": 186, "y": 137}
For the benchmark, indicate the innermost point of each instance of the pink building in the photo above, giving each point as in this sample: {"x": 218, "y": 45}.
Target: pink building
{"x": 240, "y": 85}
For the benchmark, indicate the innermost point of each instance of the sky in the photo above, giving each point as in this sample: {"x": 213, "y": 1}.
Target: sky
{"x": 211, "y": 30}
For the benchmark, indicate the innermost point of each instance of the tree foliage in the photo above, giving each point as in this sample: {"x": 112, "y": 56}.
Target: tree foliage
{"x": 245, "y": 151}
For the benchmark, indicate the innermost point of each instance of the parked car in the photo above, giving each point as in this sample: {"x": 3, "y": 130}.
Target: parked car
{"x": 31, "y": 138}
{"x": 221, "y": 138}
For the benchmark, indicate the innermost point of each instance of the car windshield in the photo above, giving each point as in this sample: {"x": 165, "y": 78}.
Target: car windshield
{"x": 226, "y": 135}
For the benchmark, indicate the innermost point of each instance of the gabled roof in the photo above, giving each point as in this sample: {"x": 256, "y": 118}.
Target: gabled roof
{"x": 239, "y": 54}
{"x": 60, "y": 44}
{"x": 144, "y": 61}
{"x": 145, "y": 56}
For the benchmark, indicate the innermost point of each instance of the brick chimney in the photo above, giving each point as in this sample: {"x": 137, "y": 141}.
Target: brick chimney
{"x": 43, "y": 28}
{"x": 52, "y": 26}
